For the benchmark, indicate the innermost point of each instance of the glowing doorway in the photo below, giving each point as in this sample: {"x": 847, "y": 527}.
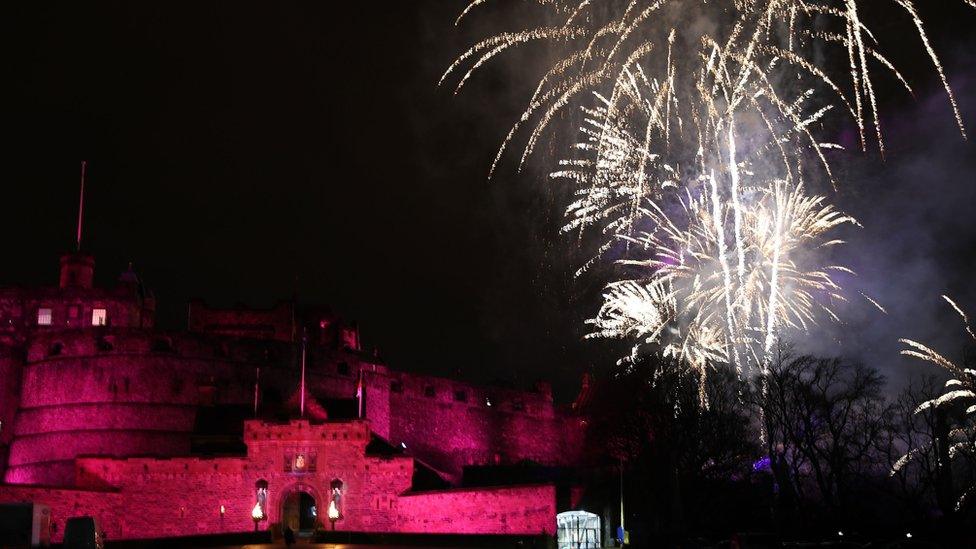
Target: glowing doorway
{"x": 299, "y": 512}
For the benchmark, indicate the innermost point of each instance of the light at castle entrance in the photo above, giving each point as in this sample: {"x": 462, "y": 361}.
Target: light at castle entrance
{"x": 333, "y": 513}
{"x": 257, "y": 514}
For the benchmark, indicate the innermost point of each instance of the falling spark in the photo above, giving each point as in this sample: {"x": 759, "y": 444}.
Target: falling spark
{"x": 965, "y": 319}
{"x": 872, "y": 301}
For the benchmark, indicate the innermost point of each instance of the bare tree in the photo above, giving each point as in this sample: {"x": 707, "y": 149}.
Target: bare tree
{"x": 910, "y": 446}
{"x": 686, "y": 456}
{"x": 954, "y": 440}
{"x": 825, "y": 424}
{"x": 932, "y": 453}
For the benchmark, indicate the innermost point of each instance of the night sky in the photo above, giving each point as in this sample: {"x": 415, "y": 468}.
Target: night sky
{"x": 248, "y": 152}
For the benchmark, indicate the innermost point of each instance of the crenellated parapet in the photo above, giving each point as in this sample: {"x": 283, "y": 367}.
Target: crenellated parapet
{"x": 354, "y": 433}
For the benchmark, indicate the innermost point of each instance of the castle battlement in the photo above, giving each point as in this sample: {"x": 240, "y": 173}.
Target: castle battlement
{"x": 328, "y": 433}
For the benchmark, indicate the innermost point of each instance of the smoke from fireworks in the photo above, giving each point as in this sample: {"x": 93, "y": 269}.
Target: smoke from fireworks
{"x": 697, "y": 149}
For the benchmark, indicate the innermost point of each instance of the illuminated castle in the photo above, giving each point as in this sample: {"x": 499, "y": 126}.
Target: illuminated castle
{"x": 161, "y": 433}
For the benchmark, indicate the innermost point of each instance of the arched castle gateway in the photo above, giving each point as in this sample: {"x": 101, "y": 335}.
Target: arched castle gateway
{"x": 175, "y": 433}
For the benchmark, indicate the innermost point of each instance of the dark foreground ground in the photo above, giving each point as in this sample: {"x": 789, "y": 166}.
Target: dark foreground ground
{"x": 357, "y": 540}
{"x": 339, "y": 539}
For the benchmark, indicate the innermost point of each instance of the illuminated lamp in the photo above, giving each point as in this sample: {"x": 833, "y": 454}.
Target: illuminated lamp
{"x": 260, "y": 498}
{"x": 335, "y": 501}
{"x": 257, "y": 515}
{"x": 333, "y": 513}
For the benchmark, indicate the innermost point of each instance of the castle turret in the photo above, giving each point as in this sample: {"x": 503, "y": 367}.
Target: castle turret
{"x": 77, "y": 270}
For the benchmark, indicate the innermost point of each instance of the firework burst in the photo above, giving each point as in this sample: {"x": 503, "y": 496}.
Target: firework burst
{"x": 697, "y": 146}
{"x": 689, "y": 300}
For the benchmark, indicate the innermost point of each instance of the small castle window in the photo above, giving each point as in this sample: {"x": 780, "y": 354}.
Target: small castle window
{"x": 460, "y": 396}
{"x": 55, "y": 349}
{"x": 221, "y": 350}
{"x": 396, "y": 386}
{"x": 518, "y": 406}
{"x": 162, "y": 345}
{"x": 99, "y": 317}
{"x": 429, "y": 391}
{"x": 44, "y": 316}
{"x": 104, "y": 344}
{"x": 343, "y": 368}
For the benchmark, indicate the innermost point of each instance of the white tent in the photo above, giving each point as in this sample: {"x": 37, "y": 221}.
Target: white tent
{"x": 578, "y": 530}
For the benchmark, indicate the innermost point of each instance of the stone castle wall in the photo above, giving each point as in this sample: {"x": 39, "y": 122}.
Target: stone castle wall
{"x": 101, "y": 420}
{"x": 149, "y": 497}
{"x": 121, "y": 392}
{"x": 277, "y": 323}
{"x": 10, "y": 384}
{"x": 525, "y": 510}
{"x": 114, "y": 393}
{"x": 457, "y": 433}
{"x": 105, "y": 507}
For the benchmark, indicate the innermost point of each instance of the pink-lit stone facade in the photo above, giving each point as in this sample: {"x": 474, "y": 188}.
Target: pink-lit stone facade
{"x": 72, "y": 303}
{"x": 276, "y": 323}
{"x": 94, "y": 419}
{"x": 506, "y": 510}
{"x": 122, "y": 392}
{"x": 150, "y": 497}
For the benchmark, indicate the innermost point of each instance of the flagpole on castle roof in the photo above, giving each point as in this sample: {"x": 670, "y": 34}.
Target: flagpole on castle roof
{"x": 81, "y": 205}
{"x": 359, "y": 392}
{"x": 302, "y": 399}
{"x": 257, "y": 383}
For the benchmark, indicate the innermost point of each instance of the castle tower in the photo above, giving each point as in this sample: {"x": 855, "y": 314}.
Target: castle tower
{"x": 77, "y": 270}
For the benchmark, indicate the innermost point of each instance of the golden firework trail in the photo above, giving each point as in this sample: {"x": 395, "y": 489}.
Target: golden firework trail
{"x": 697, "y": 144}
